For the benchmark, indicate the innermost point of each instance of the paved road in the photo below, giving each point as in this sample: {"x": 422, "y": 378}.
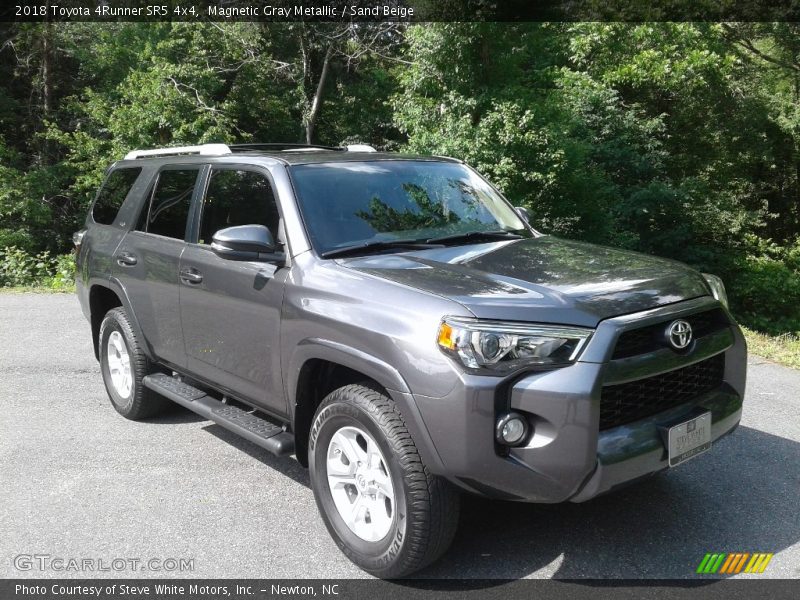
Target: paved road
{"x": 78, "y": 481}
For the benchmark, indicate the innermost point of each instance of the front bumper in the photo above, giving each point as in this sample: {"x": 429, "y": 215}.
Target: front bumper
{"x": 568, "y": 457}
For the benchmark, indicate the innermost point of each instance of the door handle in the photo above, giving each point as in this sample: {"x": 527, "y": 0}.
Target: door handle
{"x": 191, "y": 276}
{"x": 126, "y": 259}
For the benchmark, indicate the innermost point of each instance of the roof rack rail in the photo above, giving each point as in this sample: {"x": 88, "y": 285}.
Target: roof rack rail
{"x": 203, "y": 149}
{"x": 278, "y": 146}
{"x": 219, "y": 149}
{"x": 360, "y": 148}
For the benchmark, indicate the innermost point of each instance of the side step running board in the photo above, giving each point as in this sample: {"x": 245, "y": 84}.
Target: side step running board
{"x": 261, "y": 432}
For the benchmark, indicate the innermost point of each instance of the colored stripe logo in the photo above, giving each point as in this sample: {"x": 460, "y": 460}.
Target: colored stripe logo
{"x": 734, "y": 562}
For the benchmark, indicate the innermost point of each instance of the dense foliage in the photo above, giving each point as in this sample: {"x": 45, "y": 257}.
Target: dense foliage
{"x": 19, "y": 268}
{"x": 681, "y": 140}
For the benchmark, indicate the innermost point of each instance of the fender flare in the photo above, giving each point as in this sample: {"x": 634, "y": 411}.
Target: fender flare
{"x": 115, "y": 285}
{"x": 347, "y": 356}
{"x": 380, "y": 371}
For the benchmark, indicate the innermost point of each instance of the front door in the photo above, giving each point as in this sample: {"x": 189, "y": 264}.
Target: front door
{"x": 230, "y": 310}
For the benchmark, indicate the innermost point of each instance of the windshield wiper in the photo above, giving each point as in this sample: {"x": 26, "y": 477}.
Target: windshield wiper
{"x": 379, "y": 245}
{"x": 475, "y": 235}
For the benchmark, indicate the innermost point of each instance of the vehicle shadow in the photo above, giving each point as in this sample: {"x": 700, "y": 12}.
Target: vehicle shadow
{"x": 742, "y": 498}
{"x": 283, "y": 464}
{"x": 175, "y": 414}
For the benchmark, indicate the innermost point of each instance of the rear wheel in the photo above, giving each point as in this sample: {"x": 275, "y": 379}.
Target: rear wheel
{"x": 385, "y": 511}
{"x": 124, "y": 364}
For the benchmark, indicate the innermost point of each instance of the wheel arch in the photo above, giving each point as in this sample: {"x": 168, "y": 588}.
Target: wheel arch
{"x": 103, "y": 296}
{"x": 319, "y": 366}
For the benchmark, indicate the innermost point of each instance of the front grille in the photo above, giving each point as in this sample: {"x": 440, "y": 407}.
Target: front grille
{"x": 627, "y": 402}
{"x": 649, "y": 338}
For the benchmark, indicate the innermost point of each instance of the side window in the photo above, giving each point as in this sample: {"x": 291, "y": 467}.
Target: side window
{"x": 237, "y": 198}
{"x": 113, "y": 193}
{"x": 169, "y": 205}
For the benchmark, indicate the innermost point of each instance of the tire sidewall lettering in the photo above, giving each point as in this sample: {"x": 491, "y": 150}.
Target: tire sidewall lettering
{"x": 318, "y": 438}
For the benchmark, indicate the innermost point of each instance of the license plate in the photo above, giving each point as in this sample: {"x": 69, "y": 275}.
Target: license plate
{"x": 688, "y": 439}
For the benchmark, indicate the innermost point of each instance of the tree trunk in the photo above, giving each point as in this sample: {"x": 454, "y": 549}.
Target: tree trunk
{"x": 796, "y": 224}
{"x": 316, "y": 103}
{"x": 47, "y": 87}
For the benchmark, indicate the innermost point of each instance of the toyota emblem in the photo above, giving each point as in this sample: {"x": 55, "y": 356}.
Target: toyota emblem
{"x": 679, "y": 334}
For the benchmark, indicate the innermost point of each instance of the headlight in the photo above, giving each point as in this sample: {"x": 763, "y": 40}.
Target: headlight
{"x": 499, "y": 347}
{"x": 717, "y": 288}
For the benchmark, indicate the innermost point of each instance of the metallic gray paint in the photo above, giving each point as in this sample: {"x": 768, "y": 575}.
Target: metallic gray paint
{"x": 248, "y": 328}
{"x": 152, "y": 287}
{"x": 329, "y": 302}
{"x": 567, "y": 447}
{"x": 237, "y": 346}
{"x": 544, "y": 279}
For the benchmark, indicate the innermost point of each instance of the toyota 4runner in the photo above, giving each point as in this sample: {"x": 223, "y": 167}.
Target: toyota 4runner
{"x": 403, "y": 330}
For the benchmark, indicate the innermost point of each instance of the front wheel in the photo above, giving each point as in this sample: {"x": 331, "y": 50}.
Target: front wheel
{"x": 383, "y": 508}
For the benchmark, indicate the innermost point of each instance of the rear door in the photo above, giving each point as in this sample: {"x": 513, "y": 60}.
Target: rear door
{"x": 230, "y": 309}
{"x": 147, "y": 260}
{"x": 106, "y": 227}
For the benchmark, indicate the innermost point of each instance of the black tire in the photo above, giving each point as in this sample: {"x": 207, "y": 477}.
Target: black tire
{"x": 141, "y": 402}
{"x": 427, "y": 506}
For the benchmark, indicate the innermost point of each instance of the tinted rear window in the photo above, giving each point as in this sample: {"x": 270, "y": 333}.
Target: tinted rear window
{"x": 169, "y": 206}
{"x": 113, "y": 193}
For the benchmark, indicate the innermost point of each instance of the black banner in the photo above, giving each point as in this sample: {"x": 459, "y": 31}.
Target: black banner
{"x": 400, "y": 10}
{"x": 411, "y": 589}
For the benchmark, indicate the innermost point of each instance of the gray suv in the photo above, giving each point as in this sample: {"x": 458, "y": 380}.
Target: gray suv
{"x": 403, "y": 330}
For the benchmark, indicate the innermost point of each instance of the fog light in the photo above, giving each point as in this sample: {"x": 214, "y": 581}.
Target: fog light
{"x": 511, "y": 429}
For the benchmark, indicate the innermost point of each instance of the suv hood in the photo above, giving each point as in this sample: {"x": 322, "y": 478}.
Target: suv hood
{"x": 542, "y": 279}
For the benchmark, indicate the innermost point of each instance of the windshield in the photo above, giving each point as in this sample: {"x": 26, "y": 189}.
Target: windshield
{"x": 352, "y": 203}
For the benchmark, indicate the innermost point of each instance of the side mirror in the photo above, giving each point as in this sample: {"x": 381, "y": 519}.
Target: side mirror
{"x": 523, "y": 214}
{"x": 246, "y": 242}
